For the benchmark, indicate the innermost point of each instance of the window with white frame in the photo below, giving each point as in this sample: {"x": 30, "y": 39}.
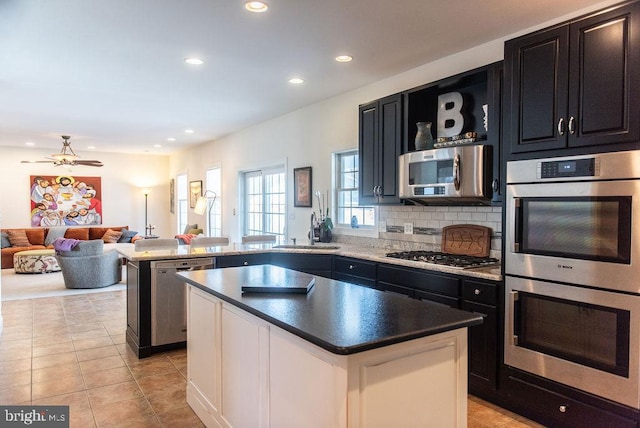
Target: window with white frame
{"x": 346, "y": 192}
{"x": 182, "y": 199}
{"x": 214, "y": 209}
{"x": 264, "y": 202}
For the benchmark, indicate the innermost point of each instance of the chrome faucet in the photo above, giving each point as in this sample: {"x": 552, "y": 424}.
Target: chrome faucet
{"x": 311, "y": 232}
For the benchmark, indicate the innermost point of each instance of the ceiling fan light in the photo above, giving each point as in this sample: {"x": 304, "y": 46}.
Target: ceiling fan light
{"x": 64, "y": 157}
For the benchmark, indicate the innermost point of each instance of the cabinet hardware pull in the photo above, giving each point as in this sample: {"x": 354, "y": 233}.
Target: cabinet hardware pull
{"x": 495, "y": 185}
{"x": 561, "y": 126}
{"x": 562, "y": 409}
{"x": 245, "y": 263}
{"x": 456, "y": 172}
{"x": 351, "y": 267}
{"x": 476, "y": 292}
{"x": 572, "y": 125}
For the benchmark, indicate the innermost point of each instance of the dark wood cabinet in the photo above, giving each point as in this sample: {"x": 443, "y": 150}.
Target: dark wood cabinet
{"x": 421, "y": 284}
{"x": 314, "y": 264}
{"x": 379, "y": 145}
{"x": 481, "y": 297}
{"x": 575, "y": 85}
{"x": 355, "y": 271}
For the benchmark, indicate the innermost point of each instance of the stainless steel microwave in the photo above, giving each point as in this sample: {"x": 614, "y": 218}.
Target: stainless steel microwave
{"x": 451, "y": 174}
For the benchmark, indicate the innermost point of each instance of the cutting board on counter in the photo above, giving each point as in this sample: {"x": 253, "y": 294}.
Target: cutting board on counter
{"x": 466, "y": 239}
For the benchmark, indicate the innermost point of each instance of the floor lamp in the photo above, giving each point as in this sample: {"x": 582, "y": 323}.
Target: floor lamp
{"x": 205, "y": 202}
{"x": 147, "y": 226}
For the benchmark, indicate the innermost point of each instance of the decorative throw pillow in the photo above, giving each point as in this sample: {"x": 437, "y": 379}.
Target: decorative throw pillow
{"x": 53, "y": 234}
{"x": 18, "y": 238}
{"x": 111, "y": 236}
{"x": 189, "y": 227}
{"x": 195, "y": 232}
{"x": 127, "y": 235}
{"x": 5, "y": 240}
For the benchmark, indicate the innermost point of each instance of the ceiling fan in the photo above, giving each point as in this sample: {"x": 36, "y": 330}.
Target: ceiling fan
{"x": 67, "y": 157}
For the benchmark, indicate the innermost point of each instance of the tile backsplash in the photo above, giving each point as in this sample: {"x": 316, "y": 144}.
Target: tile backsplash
{"x": 427, "y": 223}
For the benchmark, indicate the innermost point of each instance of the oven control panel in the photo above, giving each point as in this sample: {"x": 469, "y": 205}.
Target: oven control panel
{"x": 588, "y": 167}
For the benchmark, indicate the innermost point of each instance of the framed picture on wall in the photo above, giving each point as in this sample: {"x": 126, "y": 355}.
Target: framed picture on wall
{"x": 195, "y": 191}
{"x": 302, "y": 187}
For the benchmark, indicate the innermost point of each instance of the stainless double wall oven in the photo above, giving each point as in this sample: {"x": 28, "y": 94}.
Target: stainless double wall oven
{"x": 572, "y": 272}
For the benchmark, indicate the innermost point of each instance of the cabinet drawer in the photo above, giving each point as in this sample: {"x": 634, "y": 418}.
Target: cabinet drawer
{"x": 420, "y": 280}
{"x": 316, "y": 264}
{"x": 452, "y": 302}
{"x": 242, "y": 260}
{"x": 354, "y": 267}
{"x": 480, "y": 291}
{"x": 367, "y": 282}
{"x": 556, "y": 409}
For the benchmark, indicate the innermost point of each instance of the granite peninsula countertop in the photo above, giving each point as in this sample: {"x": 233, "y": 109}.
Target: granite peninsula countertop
{"x": 339, "y": 317}
{"x": 360, "y": 252}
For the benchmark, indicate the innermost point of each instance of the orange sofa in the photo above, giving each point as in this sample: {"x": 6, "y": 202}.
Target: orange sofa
{"x": 37, "y": 235}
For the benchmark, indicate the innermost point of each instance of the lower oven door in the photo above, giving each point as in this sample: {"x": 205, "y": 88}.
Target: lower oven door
{"x": 585, "y": 338}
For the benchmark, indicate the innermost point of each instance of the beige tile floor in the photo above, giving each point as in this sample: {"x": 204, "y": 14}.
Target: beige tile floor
{"x": 71, "y": 351}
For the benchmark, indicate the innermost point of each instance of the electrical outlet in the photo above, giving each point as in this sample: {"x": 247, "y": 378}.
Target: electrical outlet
{"x": 408, "y": 228}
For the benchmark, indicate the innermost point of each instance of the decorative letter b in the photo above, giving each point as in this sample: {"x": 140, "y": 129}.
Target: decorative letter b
{"x": 450, "y": 119}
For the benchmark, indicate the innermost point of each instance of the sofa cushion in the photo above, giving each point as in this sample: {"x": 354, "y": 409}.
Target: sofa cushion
{"x": 98, "y": 232}
{"x": 189, "y": 227}
{"x": 18, "y": 238}
{"x": 53, "y": 234}
{"x": 127, "y": 235}
{"x": 85, "y": 248}
{"x": 5, "y": 240}
{"x": 81, "y": 233}
{"x": 195, "y": 232}
{"x": 35, "y": 236}
{"x": 111, "y": 236}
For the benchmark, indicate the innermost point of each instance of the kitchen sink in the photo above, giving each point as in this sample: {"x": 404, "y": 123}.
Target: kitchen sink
{"x": 307, "y": 247}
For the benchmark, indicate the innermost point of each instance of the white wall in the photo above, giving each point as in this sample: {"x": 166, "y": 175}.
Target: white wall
{"x": 122, "y": 176}
{"x": 308, "y": 136}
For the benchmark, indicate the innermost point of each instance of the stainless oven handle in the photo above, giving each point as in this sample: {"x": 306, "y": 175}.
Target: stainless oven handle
{"x": 456, "y": 172}
{"x": 517, "y": 224}
{"x": 513, "y": 297}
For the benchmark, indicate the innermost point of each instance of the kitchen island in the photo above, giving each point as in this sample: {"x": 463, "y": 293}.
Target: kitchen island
{"x": 341, "y": 355}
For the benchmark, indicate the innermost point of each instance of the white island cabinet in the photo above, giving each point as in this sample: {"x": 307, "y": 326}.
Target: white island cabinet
{"x": 244, "y": 371}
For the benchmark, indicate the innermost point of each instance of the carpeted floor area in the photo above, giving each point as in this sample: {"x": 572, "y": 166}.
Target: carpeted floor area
{"x": 32, "y": 286}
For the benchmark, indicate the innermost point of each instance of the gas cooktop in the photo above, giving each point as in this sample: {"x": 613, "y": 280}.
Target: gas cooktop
{"x": 452, "y": 260}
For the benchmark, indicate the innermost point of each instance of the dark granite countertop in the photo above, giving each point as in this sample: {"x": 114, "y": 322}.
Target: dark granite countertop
{"x": 339, "y": 317}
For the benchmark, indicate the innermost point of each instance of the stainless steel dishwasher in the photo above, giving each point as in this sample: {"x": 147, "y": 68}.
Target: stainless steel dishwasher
{"x": 168, "y": 299}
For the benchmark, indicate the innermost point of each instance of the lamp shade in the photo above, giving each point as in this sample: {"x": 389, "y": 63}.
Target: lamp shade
{"x": 201, "y": 205}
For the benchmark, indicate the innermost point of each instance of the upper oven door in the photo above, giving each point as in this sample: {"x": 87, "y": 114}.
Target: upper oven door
{"x": 577, "y": 232}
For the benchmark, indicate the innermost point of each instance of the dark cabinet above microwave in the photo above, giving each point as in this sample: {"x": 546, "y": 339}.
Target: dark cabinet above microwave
{"x": 573, "y": 88}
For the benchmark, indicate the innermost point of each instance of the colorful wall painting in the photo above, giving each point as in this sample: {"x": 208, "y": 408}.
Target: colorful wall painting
{"x": 65, "y": 200}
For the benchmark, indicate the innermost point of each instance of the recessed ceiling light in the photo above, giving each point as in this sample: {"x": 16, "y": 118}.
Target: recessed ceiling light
{"x": 157, "y": 146}
{"x": 256, "y": 6}
{"x": 171, "y": 139}
{"x": 344, "y": 58}
{"x": 194, "y": 61}
{"x": 188, "y": 131}
{"x": 29, "y": 143}
{"x": 296, "y": 81}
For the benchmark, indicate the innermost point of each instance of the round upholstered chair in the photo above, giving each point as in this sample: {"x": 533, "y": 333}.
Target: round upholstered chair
{"x": 87, "y": 265}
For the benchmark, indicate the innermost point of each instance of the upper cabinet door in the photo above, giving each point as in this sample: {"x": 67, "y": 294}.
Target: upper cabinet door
{"x": 367, "y": 146}
{"x": 603, "y": 78}
{"x": 536, "y": 74}
{"x": 575, "y": 85}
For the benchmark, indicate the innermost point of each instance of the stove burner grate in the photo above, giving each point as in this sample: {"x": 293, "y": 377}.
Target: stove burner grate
{"x": 452, "y": 260}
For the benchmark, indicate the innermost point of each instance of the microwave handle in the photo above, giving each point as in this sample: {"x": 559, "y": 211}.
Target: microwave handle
{"x": 456, "y": 172}
{"x": 517, "y": 224}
